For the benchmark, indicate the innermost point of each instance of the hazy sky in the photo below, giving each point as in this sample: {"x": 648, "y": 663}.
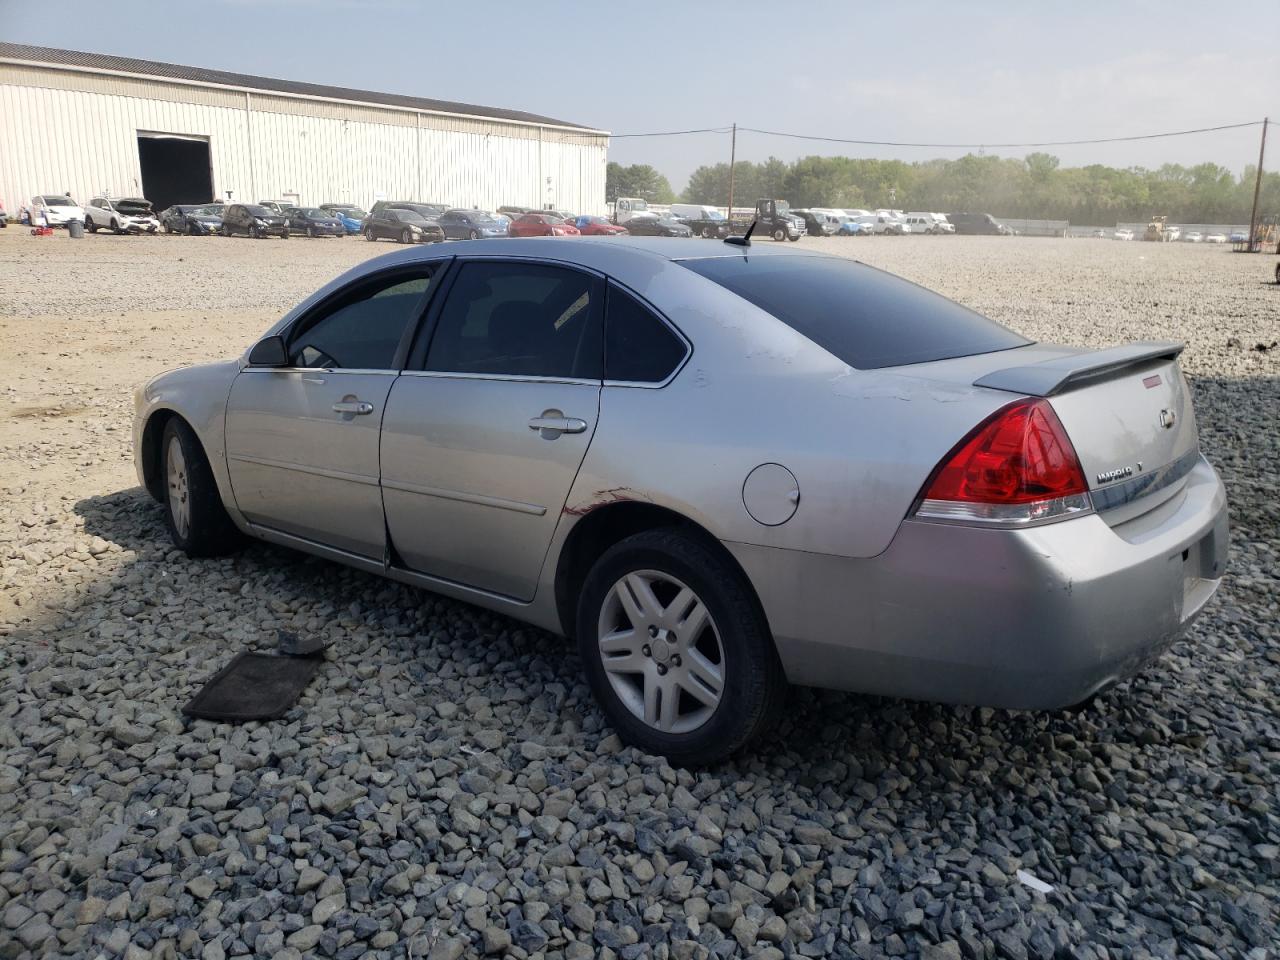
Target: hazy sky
{"x": 938, "y": 72}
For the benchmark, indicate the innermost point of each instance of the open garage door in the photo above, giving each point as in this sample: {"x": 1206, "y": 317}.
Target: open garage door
{"x": 175, "y": 169}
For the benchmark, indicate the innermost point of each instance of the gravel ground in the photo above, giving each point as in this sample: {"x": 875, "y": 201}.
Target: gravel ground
{"x": 446, "y": 787}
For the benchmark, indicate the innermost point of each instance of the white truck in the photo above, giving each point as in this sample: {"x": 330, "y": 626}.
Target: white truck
{"x": 627, "y": 207}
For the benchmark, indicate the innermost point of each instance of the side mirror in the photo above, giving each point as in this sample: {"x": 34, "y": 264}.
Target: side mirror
{"x": 269, "y": 352}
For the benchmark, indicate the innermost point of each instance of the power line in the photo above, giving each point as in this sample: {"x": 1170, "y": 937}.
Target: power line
{"x": 964, "y": 146}
{"x": 669, "y": 133}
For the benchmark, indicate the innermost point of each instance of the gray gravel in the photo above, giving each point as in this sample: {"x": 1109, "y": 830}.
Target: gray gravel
{"x": 446, "y": 788}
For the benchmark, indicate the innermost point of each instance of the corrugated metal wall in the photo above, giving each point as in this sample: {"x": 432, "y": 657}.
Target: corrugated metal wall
{"x": 61, "y": 131}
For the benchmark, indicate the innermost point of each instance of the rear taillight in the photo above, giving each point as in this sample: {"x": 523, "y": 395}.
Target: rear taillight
{"x": 1017, "y": 467}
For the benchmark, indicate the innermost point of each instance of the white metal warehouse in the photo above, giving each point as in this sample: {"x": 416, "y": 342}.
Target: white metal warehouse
{"x": 90, "y": 124}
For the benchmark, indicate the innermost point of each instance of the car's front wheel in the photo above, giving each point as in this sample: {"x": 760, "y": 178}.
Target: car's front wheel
{"x": 368, "y": 234}
{"x": 253, "y": 232}
{"x": 406, "y": 236}
{"x": 197, "y": 520}
{"x": 676, "y": 649}
{"x": 779, "y": 233}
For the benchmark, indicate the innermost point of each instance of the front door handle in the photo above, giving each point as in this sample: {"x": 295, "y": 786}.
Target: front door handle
{"x": 358, "y": 408}
{"x": 552, "y": 423}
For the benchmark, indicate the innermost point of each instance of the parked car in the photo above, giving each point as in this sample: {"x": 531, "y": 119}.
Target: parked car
{"x": 406, "y": 226}
{"x": 254, "y": 220}
{"x": 193, "y": 218}
{"x": 314, "y": 222}
{"x": 651, "y": 225}
{"x": 4, "y": 217}
{"x": 598, "y": 227}
{"x": 1172, "y": 234}
{"x": 512, "y": 213}
{"x": 1003, "y": 549}
{"x": 1216, "y": 238}
{"x": 925, "y": 223}
{"x": 705, "y": 221}
{"x": 430, "y": 211}
{"x": 884, "y": 224}
{"x": 54, "y": 211}
{"x": 1195, "y": 236}
{"x": 976, "y": 224}
{"x": 852, "y": 227}
{"x": 124, "y": 215}
{"x": 541, "y": 225}
{"x": 1124, "y": 233}
{"x": 350, "y": 209}
{"x": 1239, "y": 236}
{"x": 277, "y": 206}
{"x": 471, "y": 225}
{"x": 817, "y": 224}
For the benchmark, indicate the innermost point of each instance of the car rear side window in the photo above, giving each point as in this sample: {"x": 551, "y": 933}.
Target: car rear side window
{"x": 520, "y": 319}
{"x": 638, "y": 347}
{"x": 362, "y": 329}
{"x": 863, "y": 316}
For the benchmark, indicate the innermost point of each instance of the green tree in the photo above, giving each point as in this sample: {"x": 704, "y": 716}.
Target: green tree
{"x": 637, "y": 180}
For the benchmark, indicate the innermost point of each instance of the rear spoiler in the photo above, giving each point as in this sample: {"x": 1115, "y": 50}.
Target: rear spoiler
{"x": 1048, "y": 377}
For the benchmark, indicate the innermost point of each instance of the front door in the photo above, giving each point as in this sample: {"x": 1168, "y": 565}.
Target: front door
{"x": 302, "y": 440}
{"x": 482, "y": 440}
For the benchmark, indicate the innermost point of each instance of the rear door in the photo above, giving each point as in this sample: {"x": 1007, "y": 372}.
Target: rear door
{"x": 302, "y": 440}
{"x": 485, "y": 431}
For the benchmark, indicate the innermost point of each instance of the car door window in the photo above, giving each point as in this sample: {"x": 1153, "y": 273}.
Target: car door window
{"x": 361, "y": 329}
{"x": 519, "y": 319}
{"x": 639, "y": 347}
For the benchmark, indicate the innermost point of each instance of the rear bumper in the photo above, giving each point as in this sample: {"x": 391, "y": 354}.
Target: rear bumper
{"x": 1040, "y": 618}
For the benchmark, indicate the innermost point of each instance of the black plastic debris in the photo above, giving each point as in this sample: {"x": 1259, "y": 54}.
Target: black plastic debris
{"x": 292, "y": 645}
{"x": 253, "y": 686}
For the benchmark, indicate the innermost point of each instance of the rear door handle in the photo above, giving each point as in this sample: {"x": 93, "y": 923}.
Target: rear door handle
{"x": 552, "y": 423}
{"x": 359, "y": 408}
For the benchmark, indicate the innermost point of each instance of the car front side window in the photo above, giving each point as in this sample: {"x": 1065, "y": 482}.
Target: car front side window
{"x": 363, "y": 328}
{"x": 521, "y": 320}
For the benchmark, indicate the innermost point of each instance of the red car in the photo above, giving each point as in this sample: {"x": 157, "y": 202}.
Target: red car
{"x": 542, "y": 225}
{"x": 598, "y": 227}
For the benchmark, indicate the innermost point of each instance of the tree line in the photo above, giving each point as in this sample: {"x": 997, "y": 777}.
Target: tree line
{"x": 1035, "y": 187}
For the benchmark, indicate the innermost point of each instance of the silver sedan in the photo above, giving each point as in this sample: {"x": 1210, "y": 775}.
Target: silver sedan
{"x": 720, "y": 469}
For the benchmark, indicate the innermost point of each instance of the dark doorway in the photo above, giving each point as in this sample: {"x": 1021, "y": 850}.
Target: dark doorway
{"x": 174, "y": 170}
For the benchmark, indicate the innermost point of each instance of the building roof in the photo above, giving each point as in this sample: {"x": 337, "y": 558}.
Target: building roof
{"x": 172, "y": 71}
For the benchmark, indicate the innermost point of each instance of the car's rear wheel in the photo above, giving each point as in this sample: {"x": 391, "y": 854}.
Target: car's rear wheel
{"x": 676, "y": 649}
{"x": 368, "y": 234}
{"x": 197, "y": 520}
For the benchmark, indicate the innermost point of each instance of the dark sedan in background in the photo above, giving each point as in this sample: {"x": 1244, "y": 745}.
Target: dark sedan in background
{"x": 651, "y": 226}
{"x": 254, "y": 220}
{"x": 471, "y": 225}
{"x": 406, "y": 226}
{"x": 314, "y": 222}
{"x": 195, "y": 219}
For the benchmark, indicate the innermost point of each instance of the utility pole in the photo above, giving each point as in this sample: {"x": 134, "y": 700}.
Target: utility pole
{"x": 732, "y": 156}
{"x": 1257, "y": 186}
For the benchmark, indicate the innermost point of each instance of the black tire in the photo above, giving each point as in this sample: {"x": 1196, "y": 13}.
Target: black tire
{"x": 208, "y": 532}
{"x": 115, "y": 226}
{"x": 708, "y": 233}
{"x": 754, "y": 685}
{"x": 284, "y": 234}
{"x": 475, "y": 234}
{"x": 1278, "y": 273}
{"x": 406, "y": 236}
{"x": 368, "y": 234}
{"x": 779, "y": 234}
{"x": 311, "y": 232}
{"x": 253, "y": 232}
{"x": 795, "y": 239}
{"x": 168, "y": 227}
{"x": 92, "y": 227}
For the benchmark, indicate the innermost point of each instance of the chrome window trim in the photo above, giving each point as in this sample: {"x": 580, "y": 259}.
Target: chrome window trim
{"x": 248, "y": 368}
{"x": 512, "y": 377}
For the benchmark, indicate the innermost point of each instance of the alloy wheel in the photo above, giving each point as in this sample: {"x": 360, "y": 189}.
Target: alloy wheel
{"x": 179, "y": 488}
{"x": 661, "y": 651}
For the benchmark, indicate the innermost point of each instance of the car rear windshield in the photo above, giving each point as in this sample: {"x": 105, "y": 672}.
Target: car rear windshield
{"x": 865, "y": 317}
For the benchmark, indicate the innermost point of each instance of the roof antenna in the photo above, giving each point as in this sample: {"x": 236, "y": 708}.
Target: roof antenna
{"x": 744, "y": 240}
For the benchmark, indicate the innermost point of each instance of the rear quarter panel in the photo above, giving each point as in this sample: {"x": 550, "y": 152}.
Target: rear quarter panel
{"x": 860, "y": 443}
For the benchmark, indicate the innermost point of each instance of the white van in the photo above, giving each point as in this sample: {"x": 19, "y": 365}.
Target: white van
{"x": 928, "y": 223}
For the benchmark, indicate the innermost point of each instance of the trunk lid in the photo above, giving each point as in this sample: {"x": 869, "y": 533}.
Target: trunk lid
{"x": 1127, "y": 410}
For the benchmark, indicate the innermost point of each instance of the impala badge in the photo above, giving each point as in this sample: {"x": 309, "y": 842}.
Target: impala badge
{"x": 1119, "y": 473}
{"x": 1167, "y": 419}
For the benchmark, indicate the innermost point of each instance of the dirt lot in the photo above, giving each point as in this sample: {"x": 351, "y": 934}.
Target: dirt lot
{"x": 446, "y": 787}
